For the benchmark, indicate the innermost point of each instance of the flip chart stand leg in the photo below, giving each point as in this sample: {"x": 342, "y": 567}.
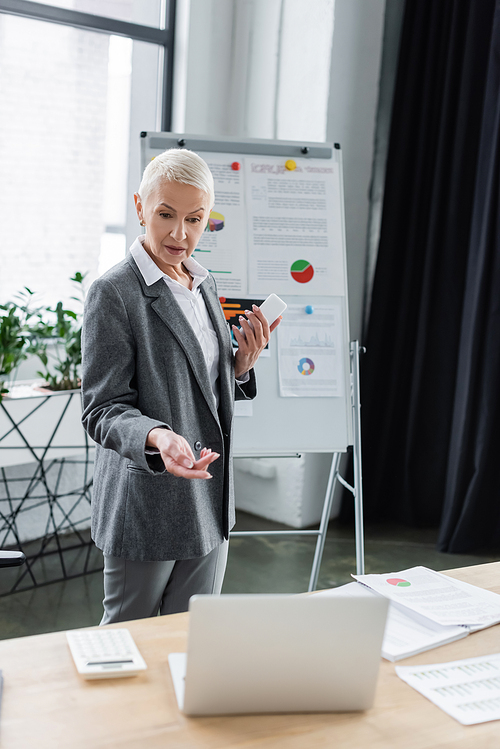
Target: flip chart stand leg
{"x": 355, "y": 351}
{"x": 323, "y": 526}
{"x": 356, "y": 490}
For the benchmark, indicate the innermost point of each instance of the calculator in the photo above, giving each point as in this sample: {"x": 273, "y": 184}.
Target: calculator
{"x": 105, "y": 653}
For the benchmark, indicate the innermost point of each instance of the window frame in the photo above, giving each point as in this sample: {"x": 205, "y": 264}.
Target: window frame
{"x": 162, "y": 37}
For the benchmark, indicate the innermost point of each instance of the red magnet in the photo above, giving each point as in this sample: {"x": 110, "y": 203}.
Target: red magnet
{"x": 236, "y": 166}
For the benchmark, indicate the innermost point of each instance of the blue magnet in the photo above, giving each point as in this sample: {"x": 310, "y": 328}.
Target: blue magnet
{"x": 309, "y": 309}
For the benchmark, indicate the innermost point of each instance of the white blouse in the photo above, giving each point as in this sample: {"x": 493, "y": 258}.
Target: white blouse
{"x": 191, "y": 303}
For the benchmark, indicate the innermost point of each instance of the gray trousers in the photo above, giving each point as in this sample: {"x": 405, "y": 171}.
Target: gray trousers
{"x": 136, "y": 590}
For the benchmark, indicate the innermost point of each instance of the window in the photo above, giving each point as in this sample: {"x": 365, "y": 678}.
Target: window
{"x": 145, "y": 12}
{"x": 74, "y": 98}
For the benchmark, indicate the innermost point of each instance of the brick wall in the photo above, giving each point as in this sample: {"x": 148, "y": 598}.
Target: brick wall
{"x": 53, "y": 95}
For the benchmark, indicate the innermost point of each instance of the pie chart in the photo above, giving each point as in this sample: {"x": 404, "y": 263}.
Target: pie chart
{"x": 398, "y": 582}
{"x": 215, "y": 222}
{"x": 306, "y": 366}
{"x": 302, "y": 271}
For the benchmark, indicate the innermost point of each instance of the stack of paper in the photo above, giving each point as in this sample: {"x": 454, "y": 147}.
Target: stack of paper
{"x": 437, "y": 597}
{"x": 427, "y": 609}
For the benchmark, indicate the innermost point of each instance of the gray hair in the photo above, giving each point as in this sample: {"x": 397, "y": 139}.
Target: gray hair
{"x": 178, "y": 165}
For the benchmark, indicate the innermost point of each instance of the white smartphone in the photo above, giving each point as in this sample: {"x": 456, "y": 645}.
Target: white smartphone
{"x": 272, "y": 308}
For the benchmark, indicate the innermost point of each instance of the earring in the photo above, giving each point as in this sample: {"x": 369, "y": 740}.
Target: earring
{"x": 142, "y": 223}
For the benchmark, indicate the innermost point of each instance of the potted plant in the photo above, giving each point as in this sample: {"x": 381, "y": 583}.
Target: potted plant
{"x": 30, "y": 417}
{"x": 14, "y": 338}
{"x": 56, "y": 341}
{"x": 12, "y": 343}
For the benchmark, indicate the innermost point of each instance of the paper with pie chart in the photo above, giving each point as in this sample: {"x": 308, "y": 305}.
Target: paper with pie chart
{"x": 220, "y": 248}
{"x": 295, "y": 235}
{"x": 437, "y": 596}
{"x": 309, "y": 352}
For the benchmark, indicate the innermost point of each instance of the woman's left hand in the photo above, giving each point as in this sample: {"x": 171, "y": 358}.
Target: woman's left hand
{"x": 252, "y": 339}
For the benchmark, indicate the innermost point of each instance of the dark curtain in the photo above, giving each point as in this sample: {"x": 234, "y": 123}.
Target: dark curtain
{"x": 431, "y": 375}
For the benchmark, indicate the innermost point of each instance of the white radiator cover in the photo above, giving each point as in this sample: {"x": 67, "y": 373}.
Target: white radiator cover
{"x": 285, "y": 490}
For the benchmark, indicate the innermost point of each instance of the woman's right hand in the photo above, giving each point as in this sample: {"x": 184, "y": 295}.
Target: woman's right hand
{"x": 178, "y": 457}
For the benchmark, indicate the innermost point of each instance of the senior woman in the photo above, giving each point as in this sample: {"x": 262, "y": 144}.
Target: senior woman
{"x": 159, "y": 379}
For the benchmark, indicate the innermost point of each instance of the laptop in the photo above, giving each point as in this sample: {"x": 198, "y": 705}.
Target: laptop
{"x": 279, "y": 653}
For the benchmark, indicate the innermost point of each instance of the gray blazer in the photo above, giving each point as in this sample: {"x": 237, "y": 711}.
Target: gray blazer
{"x": 142, "y": 367}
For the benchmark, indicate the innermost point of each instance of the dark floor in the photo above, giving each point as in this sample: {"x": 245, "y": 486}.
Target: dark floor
{"x": 256, "y": 565}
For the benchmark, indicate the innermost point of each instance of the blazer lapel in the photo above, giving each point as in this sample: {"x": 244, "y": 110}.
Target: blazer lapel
{"x": 171, "y": 314}
{"x": 226, "y": 373}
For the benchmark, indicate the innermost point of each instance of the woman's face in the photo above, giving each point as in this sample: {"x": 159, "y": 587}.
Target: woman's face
{"x": 175, "y": 216}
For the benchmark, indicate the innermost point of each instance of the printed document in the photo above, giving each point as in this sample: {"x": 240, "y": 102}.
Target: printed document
{"x": 222, "y": 246}
{"x": 468, "y": 690}
{"x": 295, "y": 227}
{"x": 437, "y": 597}
{"x": 309, "y": 352}
{"x": 406, "y": 633}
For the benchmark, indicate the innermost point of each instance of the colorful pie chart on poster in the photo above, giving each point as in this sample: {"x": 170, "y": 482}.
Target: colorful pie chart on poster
{"x": 302, "y": 271}
{"x": 215, "y": 222}
{"x": 398, "y": 582}
{"x": 306, "y": 366}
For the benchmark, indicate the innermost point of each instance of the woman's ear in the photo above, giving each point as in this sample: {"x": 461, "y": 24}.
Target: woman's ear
{"x": 138, "y": 207}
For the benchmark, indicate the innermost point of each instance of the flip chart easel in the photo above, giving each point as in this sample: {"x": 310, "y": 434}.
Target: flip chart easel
{"x": 278, "y": 426}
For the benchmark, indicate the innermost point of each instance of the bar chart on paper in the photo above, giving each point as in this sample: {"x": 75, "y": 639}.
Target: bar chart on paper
{"x": 468, "y": 690}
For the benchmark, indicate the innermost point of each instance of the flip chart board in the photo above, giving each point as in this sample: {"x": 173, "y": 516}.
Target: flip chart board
{"x": 278, "y": 226}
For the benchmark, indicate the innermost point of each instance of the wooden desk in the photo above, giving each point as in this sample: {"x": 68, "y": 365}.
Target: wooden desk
{"x": 47, "y": 705}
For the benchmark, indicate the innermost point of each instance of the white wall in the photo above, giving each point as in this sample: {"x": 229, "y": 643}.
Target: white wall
{"x": 354, "y": 86}
{"x": 254, "y": 68}
{"x": 289, "y": 69}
